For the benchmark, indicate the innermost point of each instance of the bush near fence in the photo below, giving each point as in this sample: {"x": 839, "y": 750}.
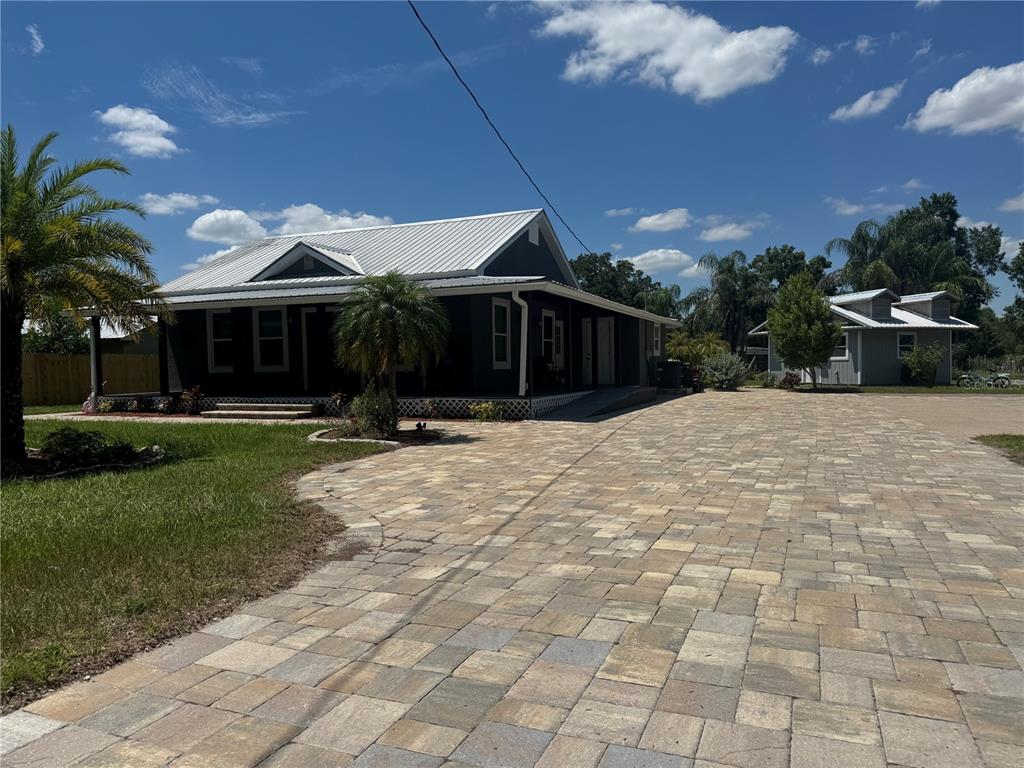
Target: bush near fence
{"x": 59, "y": 379}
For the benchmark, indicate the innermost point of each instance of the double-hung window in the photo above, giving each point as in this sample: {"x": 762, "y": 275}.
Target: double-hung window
{"x": 657, "y": 340}
{"x": 905, "y": 343}
{"x": 270, "y": 339}
{"x": 841, "y": 351}
{"x": 500, "y": 354}
{"x": 220, "y": 350}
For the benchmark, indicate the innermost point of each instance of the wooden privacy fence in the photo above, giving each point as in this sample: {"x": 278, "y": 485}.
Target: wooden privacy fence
{"x": 60, "y": 379}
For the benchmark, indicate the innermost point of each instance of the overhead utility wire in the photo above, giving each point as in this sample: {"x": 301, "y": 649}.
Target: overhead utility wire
{"x": 494, "y": 128}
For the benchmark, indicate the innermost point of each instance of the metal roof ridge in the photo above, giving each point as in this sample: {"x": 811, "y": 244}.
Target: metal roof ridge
{"x": 402, "y": 224}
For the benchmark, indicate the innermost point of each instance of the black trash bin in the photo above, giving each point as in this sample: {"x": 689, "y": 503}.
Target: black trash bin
{"x": 670, "y": 374}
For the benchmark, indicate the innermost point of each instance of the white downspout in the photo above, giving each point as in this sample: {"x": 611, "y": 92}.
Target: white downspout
{"x": 524, "y": 329}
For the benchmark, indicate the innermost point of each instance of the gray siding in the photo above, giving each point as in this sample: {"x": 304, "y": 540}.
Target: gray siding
{"x": 835, "y": 371}
{"x": 882, "y": 366}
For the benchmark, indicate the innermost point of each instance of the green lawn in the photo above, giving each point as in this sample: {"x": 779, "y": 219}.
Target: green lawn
{"x": 31, "y": 409}
{"x": 1011, "y": 445}
{"x": 95, "y": 566}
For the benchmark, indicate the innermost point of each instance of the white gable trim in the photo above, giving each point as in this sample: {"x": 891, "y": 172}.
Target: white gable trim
{"x": 300, "y": 251}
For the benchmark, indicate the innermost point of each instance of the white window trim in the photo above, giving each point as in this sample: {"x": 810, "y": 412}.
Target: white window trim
{"x": 544, "y": 339}
{"x": 209, "y": 342}
{"x": 846, "y": 336}
{"x": 256, "y": 338}
{"x": 506, "y": 364}
{"x": 657, "y": 340}
{"x": 904, "y": 333}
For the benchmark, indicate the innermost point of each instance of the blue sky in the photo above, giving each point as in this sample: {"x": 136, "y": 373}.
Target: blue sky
{"x": 660, "y": 132}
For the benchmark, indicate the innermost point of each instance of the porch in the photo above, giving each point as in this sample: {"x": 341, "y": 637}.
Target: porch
{"x": 513, "y": 345}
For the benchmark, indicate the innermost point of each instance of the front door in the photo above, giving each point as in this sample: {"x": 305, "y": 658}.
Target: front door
{"x": 588, "y": 353}
{"x": 606, "y": 351}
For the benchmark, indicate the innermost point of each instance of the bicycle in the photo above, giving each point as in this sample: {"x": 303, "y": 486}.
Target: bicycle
{"x": 976, "y": 380}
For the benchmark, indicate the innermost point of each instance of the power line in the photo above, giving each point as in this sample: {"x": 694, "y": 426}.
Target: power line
{"x": 494, "y": 128}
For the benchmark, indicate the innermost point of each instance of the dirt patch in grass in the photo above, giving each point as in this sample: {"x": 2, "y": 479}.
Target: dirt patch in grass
{"x": 1011, "y": 446}
{"x": 96, "y": 568}
{"x": 403, "y": 437}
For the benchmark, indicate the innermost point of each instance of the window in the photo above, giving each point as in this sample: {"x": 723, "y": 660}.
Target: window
{"x": 842, "y": 350}
{"x": 500, "y": 335}
{"x": 270, "y": 339}
{"x": 657, "y": 340}
{"x": 547, "y": 319}
{"x": 905, "y": 342}
{"x": 220, "y": 348}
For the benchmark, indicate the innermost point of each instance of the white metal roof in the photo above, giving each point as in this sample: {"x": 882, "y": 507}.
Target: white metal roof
{"x": 851, "y": 298}
{"x": 446, "y": 247}
{"x": 913, "y": 298}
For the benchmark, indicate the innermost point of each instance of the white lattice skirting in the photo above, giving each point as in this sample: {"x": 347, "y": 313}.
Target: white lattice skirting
{"x": 514, "y": 408}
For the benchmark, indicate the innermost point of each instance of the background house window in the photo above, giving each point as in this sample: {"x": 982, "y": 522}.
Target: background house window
{"x": 270, "y": 339}
{"x": 499, "y": 334}
{"x": 220, "y": 350}
{"x": 547, "y": 320}
{"x": 842, "y": 350}
{"x": 905, "y": 342}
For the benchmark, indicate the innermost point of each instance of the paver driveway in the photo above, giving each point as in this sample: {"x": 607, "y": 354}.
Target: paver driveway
{"x": 749, "y": 580}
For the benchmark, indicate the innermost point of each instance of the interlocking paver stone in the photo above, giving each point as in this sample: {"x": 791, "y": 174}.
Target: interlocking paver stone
{"x": 703, "y": 581}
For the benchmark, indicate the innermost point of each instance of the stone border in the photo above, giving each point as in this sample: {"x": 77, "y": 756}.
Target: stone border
{"x": 318, "y": 437}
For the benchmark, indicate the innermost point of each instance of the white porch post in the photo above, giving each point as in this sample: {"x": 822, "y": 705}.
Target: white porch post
{"x": 524, "y": 330}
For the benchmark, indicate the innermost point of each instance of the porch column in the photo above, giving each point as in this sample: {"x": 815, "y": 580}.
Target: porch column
{"x": 95, "y": 357}
{"x": 524, "y": 339}
{"x": 161, "y": 350}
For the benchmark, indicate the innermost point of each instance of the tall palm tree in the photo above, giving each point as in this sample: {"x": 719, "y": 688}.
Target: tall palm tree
{"x": 61, "y": 251}
{"x": 725, "y": 304}
{"x": 864, "y": 246}
{"x": 389, "y": 320}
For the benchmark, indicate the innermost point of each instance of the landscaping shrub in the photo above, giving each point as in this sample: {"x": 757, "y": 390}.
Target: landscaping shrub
{"x": 66, "y": 448}
{"x": 487, "y": 411}
{"x": 190, "y": 401}
{"x": 105, "y": 406}
{"x": 725, "y": 372}
{"x": 376, "y": 412}
{"x": 765, "y": 379}
{"x": 790, "y": 380}
{"x": 922, "y": 364}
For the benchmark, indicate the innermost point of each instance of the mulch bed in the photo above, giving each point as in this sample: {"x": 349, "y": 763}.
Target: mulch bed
{"x": 38, "y": 467}
{"x": 404, "y": 437}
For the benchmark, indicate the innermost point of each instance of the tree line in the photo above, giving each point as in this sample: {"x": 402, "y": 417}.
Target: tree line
{"x": 927, "y": 247}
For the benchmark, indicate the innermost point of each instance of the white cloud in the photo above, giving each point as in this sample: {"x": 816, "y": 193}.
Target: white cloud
{"x": 175, "y": 202}
{"x": 1010, "y": 246}
{"x": 616, "y": 247}
{"x": 911, "y": 184}
{"x": 844, "y": 207}
{"x": 139, "y": 130}
{"x": 1013, "y": 203}
{"x": 227, "y": 226}
{"x": 666, "y": 221}
{"x": 312, "y": 218}
{"x": 821, "y": 56}
{"x": 37, "y": 45}
{"x": 666, "y": 259}
{"x": 251, "y": 65}
{"x": 968, "y": 223}
{"x": 206, "y": 259}
{"x": 987, "y": 100}
{"x": 667, "y": 46}
{"x": 926, "y": 4}
{"x": 612, "y": 212}
{"x": 871, "y": 103}
{"x": 719, "y": 228}
{"x": 189, "y": 87}
{"x": 234, "y": 226}
{"x": 923, "y": 50}
{"x": 865, "y": 45}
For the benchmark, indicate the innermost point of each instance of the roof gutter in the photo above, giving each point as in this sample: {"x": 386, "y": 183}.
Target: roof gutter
{"x": 524, "y": 330}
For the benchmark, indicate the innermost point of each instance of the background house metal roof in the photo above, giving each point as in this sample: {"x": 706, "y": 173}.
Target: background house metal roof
{"x": 850, "y": 298}
{"x": 911, "y": 298}
{"x": 446, "y": 247}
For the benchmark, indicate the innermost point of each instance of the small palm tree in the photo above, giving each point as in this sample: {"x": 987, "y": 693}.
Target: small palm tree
{"x": 61, "y": 251}
{"x": 389, "y": 320}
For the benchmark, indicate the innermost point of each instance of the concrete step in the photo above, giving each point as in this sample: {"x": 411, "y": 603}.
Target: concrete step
{"x": 263, "y": 406}
{"x": 250, "y": 414}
